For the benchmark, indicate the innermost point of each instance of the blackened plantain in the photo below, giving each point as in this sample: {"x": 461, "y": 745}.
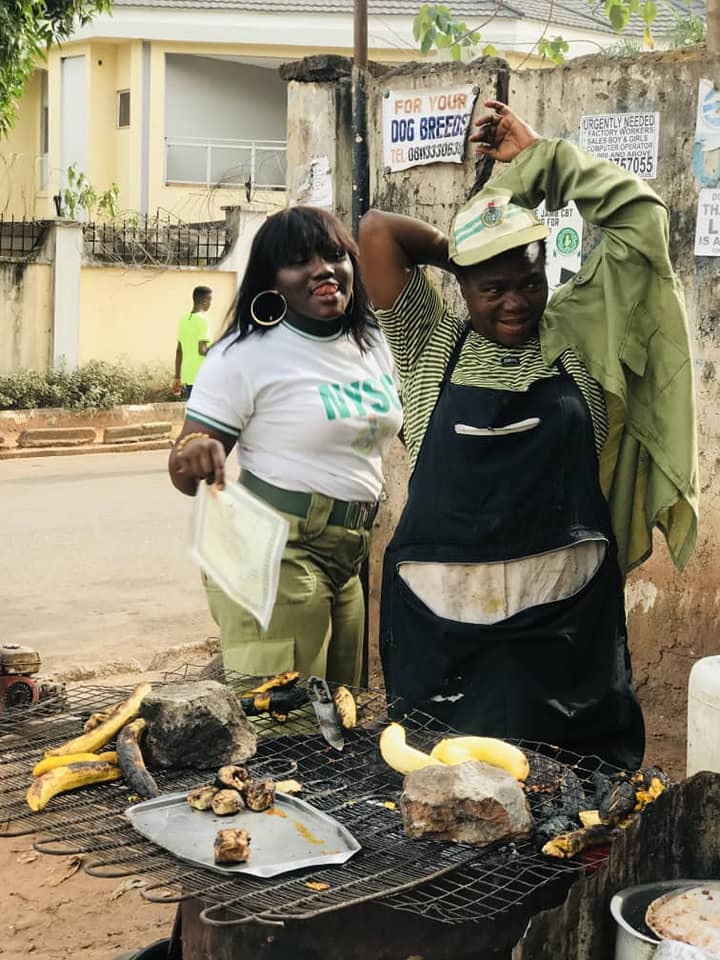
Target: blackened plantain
{"x": 200, "y": 798}
{"x": 618, "y": 803}
{"x": 568, "y": 845}
{"x": 226, "y": 802}
{"x": 130, "y": 759}
{"x": 554, "y": 827}
{"x": 260, "y": 795}
{"x": 278, "y": 703}
{"x": 232, "y": 777}
{"x": 287, "y": 679}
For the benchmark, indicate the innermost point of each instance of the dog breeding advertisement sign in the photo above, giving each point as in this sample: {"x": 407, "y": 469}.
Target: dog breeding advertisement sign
{"x": 425, "y": 126}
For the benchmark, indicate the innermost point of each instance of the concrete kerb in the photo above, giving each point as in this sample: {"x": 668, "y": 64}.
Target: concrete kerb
{"x": 59, "y": 432}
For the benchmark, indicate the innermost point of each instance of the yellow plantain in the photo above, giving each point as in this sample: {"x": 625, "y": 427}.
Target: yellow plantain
{"x": 92, "y": 741}
{"x": 345, "y": 707}
{"x": 490, "y": 750}
{"x": 398, "y": 755}
{"x": 50, "y": 763}
{"x": 62, "y": 779}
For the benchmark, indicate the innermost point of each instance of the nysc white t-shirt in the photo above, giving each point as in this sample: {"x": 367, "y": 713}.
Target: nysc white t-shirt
{"x": 309, "y": 413}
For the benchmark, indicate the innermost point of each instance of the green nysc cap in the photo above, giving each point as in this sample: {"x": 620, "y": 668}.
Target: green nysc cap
{"x": 489, "y": 224}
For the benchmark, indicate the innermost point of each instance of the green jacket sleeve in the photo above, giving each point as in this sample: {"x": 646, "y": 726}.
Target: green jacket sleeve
{"x": 624, "y": 315}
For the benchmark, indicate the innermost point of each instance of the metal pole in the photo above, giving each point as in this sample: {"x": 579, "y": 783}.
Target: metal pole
{"x": 360, "y": 171}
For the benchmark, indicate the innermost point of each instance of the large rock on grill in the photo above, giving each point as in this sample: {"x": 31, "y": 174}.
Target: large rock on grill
{"x": 199, "y": 724}
{"x": 471, "y": 802}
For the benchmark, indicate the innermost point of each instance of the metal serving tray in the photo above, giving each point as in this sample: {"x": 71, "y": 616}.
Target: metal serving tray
{"x": 289, "y": 836}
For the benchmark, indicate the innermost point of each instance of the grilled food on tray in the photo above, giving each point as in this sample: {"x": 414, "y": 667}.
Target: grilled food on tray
{"x": 232, "y": 846}
{"x": 259, "y": 795}
{"x": 201, "y": 798}
{"x": 232, "y": 777}
{"x": 226, "y": 802}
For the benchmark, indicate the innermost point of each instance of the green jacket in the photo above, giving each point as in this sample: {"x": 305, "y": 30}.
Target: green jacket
{"x": 623, "y": 313}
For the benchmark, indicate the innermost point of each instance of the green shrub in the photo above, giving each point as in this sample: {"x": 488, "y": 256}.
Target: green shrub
{"x": 94, "y": 386}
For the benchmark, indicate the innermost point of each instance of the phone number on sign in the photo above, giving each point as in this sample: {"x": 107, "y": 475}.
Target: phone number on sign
{"x": 638, "y": 165}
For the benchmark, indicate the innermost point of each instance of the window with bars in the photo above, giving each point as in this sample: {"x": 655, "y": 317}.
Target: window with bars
{"x": 123, "y": 108}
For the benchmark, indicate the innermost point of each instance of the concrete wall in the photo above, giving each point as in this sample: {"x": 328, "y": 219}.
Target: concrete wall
{"x": 132, "y": 313}
{"x": 25, "y": 315}
{"x": 673, "y": 618}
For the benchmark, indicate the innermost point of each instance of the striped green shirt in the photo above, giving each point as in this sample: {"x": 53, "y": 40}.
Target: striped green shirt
{"x": 422, "y": 332}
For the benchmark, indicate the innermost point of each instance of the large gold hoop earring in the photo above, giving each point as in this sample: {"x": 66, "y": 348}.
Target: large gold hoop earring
{"x": 273, "y": 310}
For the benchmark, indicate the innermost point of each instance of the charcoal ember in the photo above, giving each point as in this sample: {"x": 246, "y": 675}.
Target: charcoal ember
{"x": 232, "y": 846}
{"x": 469, "y": 802}
{"x": 572, "y": 795}
{"x": 259, "y": 794}
{"x": 197, "y": 724}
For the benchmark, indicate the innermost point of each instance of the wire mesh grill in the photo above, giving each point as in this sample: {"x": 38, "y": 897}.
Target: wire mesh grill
{"x": 451, "y": 883}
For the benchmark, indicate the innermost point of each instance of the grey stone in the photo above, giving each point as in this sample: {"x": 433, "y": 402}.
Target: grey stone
{"x": 470, "y": 802}
{"x": 199, "y": 724}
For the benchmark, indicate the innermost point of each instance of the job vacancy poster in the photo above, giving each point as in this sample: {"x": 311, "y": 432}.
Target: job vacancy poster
{"x": 628, "y": 139}
{"x": 426, "y": 126}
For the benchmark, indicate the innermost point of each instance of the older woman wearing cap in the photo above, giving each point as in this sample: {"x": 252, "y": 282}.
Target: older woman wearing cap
{"x": 545, "y": 441}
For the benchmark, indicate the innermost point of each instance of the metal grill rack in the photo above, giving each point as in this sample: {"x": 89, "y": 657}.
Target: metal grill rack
{"x": 450, "y": 883}
{"x": 21, "y": 238}
{"x": 157, "y": 241}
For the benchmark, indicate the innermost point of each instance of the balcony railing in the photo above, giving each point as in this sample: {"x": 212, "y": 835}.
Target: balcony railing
{"x": 212, "y": 163}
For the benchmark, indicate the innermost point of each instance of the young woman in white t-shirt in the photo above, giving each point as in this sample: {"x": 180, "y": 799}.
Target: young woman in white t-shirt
{"x": 302, "y": 383}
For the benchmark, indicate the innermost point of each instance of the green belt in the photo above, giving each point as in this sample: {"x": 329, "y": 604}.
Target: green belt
{"x": 353, "y": 514}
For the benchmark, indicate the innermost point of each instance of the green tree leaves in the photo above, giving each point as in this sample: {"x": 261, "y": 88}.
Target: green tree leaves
{"x": 27, "y": 28}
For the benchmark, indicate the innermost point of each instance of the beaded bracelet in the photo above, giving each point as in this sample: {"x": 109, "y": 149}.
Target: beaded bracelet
{"x": 183, "y": 441}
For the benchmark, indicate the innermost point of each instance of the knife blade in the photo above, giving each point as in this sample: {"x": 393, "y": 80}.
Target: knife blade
{"x": 324, "y": 707}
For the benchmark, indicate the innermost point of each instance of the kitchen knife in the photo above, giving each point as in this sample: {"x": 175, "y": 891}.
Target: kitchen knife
{"x": 324, "y": 707}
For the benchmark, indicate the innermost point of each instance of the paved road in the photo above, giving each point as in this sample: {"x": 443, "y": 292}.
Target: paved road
{"x": 94, "y": 561}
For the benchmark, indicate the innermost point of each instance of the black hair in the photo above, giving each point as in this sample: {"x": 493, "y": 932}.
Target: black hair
{"x": 200, "y": 292}
{"x": 297, "y": 232}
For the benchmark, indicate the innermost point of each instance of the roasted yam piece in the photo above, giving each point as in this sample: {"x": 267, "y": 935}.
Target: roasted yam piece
{"x": 232, "y": 777}
{"x": 201, "y": 798}
{"x": 260, "y": 795}
{"x": 226, "y": 802}
{"x": 232, "y": 846}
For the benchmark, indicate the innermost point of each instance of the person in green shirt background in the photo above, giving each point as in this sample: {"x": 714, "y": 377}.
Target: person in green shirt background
{"x": 193, "y": 342}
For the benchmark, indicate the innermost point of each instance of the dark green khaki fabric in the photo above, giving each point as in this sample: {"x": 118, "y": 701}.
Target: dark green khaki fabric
{"x": 623, "y": 315}
{"x": 318, "y": 620}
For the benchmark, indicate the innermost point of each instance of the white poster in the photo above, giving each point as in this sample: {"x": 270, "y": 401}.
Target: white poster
{"x": 706, "y": 149}
{"x": 628, "y": 139}
{"x": 707, "y": 229}
{"x": 564, "y": 245}
{"x": 425, "y": 126}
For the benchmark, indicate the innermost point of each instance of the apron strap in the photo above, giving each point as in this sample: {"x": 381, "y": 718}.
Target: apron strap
{"x": 454, "y": 357}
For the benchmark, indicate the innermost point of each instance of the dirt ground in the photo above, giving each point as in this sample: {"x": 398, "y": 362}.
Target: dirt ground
{"x": 54, "y": 911}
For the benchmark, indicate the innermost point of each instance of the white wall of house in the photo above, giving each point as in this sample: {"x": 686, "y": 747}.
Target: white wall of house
{"x": 213, "y": 98}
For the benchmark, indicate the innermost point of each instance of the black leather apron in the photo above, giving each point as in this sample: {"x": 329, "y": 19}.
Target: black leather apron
{"x": 558, "y": 672}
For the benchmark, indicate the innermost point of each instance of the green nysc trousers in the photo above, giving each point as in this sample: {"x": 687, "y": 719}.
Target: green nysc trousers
{"x": 317, "y": 624}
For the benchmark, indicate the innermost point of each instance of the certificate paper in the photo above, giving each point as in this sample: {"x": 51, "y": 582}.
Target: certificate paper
{"x": 238, "y": 540}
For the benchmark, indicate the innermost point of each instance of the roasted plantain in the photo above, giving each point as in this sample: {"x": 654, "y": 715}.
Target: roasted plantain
{"x": 259, "y": 795}
{"x": 567, "y": 845}
{"x": 226, "y": 802}
{"x": 50, "y": 763}
{"x": 130, "y": 759}
{"x": 287, "y": 679}
{"x": 232, "y": 777}
{"x": 278, "y": 702}
{"x": 345, "y": 708}
{"x": 618, "y": 803}
{"x": 62, "y": 779}
{"x": 95, "y": 719}
{"x": 92, "y": 741}
{"x": 201, "y": 798}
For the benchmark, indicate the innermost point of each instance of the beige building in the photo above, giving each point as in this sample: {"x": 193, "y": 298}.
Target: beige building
{"x": 179, "y": 102}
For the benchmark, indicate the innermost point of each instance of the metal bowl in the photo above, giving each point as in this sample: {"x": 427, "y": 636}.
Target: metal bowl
{"x": 633, "y": 940}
